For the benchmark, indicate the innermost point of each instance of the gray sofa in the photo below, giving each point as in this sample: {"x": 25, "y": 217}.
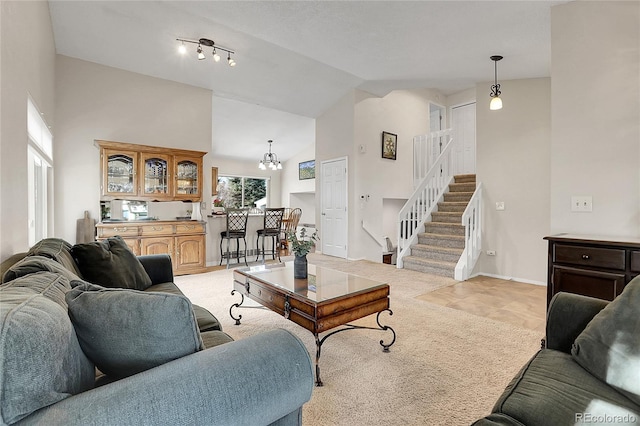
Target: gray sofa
{"x": 589, "y": 372}
{"x": 167, "y": 361}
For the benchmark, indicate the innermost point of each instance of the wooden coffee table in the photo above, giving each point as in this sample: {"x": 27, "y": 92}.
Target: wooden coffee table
{"x": 326, "y": 300}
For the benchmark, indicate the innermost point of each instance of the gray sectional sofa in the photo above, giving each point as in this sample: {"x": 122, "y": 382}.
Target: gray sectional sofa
{"x": 589, "y": 372}
{"x": 79, "y": 353}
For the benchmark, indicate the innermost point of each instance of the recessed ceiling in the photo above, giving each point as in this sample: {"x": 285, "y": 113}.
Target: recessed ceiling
{"x": 300, "y": 57}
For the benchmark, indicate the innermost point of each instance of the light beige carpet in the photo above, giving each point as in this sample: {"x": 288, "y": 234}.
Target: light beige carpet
{"x": 447, "y": 367}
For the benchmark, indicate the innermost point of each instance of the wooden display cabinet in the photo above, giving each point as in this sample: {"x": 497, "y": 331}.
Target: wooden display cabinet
{"x": 142, "y": 172}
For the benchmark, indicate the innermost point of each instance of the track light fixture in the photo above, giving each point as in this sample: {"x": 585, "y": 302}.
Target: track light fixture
{"x": 496, "y": 102}
{"x": 269, "y": 159}
{"x": 207, "y": 43}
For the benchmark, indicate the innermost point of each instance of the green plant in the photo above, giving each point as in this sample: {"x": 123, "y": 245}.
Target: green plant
{"x": 218, "y": 203}
{"x": 301, "y": 246}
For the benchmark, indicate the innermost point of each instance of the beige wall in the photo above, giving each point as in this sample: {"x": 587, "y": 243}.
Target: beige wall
{"x": 359, "y": 120}
{"x": 512, "y": 158}
{"x": 402, "y": 112}
{"x": 27, "y": 68}
{"x": 98, "y": 102}
{"x": 595, "y": 104}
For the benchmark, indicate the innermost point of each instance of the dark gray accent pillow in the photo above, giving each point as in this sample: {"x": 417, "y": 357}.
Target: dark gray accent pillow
{"x": 32, "y": 264}
{"x": 110, "y": 263}
{"x": 609, "y": 346}
{"x": 126, "y": 331}
{"x": 41, "y": 361}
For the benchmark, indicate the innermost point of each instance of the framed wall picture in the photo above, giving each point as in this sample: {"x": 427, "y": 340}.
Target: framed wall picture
{"x": 307, "y": 170}
{"x": 389, "y": 145}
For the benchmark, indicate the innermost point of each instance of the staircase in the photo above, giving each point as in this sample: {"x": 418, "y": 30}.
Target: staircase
{"x": 439, "y": 248}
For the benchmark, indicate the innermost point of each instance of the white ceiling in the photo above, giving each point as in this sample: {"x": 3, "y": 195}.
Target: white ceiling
{"x": 297, "y": 58}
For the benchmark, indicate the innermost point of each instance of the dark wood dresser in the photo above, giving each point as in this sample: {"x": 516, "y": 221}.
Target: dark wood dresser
{"x": 591, "y": 265}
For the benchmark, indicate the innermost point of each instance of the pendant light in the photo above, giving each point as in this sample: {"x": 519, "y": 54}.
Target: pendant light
{"x": 496, "y": 102}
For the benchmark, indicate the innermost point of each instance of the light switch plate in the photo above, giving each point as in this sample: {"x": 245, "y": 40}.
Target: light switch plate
{"x": 499, "y": 205}
{"x": 582, "y": 203}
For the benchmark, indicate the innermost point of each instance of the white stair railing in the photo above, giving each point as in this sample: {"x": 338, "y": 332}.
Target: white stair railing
{"x": 424, "y": 201}
{"x": 426, "y": 149}
{"x": 472, "y": 221}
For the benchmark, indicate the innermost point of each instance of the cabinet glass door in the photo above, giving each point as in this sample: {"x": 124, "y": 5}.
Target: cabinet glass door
{"x": 187, "y": 178}
{"x": 156, "y": 175}
{"x": 121, "y": 173}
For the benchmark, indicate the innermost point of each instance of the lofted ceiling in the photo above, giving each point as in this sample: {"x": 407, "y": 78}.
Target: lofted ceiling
{"x": 295, "y": 59}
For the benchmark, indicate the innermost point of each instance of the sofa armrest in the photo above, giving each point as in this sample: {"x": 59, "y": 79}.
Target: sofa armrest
{"x": 567, "y": 316}
{"x": 158, "y": 266}
{"x": 254, "y": 381}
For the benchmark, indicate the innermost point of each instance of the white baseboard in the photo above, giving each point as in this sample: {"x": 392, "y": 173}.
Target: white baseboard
{"x": 502, "y": 277}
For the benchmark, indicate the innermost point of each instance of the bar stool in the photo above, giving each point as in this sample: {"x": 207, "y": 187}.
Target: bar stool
{"x": 271, "y": 228}
{"x": 236, "y": 229}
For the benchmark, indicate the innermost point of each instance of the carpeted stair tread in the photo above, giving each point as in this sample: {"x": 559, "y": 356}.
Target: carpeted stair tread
{"x": 447, "y": 217}
{"x": 462, "y": 187}
{"x": 441, "y": 240}
{"x": 438, "y": 267}
{"x": 452, "y": 206}
{"x": 433, "y": 252}
{"x": 464, "y": 178}
{"x": 444, "y": 228}
{"x": 458, "y": 196}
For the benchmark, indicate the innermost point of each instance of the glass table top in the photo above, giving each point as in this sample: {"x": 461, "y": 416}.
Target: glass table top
{"x": 322, "y": 283}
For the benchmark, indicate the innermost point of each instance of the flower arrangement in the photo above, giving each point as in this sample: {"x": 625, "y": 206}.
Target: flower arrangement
{"x": 218, "y": 203}
{"x": 301, "y": 246}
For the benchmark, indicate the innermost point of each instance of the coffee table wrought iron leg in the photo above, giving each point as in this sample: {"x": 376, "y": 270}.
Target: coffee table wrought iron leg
{"x": 318, "y": 346}
{"x": 385, "y": 347}
{"x": 236, "y": 305}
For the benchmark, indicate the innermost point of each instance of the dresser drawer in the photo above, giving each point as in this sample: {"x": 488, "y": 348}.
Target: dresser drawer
{"x": 635, "y": 261}
{"x": 189, "y": 228}
{"x": 122, "y": 230}
{"x": 608, "y": 258}
{"x": 158, "y": 229}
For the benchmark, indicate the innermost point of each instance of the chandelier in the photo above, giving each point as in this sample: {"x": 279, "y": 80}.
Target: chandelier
{"x": 270, "y": 160}
{"x": 207, "y": 43}
{"x": 496, "y": 102}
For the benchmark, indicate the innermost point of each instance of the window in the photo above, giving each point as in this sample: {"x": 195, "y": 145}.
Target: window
{"x": 40, "y": 175}
{"x": 241, "y": 192}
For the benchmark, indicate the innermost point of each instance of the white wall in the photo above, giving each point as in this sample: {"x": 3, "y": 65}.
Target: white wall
{"x": 98, "y": 102}
{"x": 27, "y": 68}
{"x": 595, "y": 138}
{"x": 512, "y": 156}
{"x": 300, "y": 193}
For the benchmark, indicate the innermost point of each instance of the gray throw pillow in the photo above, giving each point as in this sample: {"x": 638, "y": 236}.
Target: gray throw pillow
{"x": 126, "y": 331}
{"x": 609, "y": 346}
{"x": 110, "y": 263}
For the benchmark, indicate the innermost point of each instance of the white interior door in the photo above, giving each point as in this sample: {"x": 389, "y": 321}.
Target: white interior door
{"x": 334, "y": 207}
{"x": 463, "y": 129}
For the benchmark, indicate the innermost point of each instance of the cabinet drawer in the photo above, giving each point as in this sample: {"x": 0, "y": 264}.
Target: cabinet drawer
{"x": 602, "y": 285}
{"x": 190, "y": 228}
{"x": 589, "y": 256}
{"x": 122, "y": 230}
{"x": 635, "y": 261}
{"x": 159, "y": 229}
